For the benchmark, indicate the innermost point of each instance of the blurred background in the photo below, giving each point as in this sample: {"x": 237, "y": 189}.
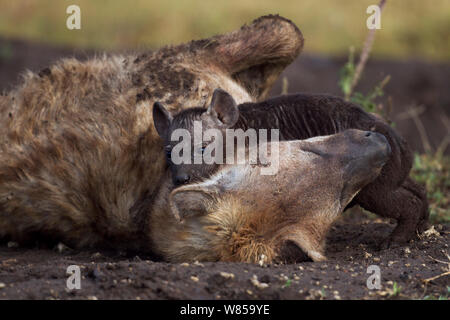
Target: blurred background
{"x": 412, "y": 48}
{"x": 410, "y": 28}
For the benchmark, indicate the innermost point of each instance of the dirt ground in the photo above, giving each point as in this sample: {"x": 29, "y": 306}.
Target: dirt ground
{"x": 40, "y": 273}
{"x": 37, "y": 273}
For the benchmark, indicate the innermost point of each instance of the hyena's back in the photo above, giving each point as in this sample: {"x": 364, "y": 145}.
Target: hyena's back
{"x": 72, "y": 155}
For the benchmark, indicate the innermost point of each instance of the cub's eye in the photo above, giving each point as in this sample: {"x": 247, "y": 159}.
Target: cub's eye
{"x": 168, "y": 150}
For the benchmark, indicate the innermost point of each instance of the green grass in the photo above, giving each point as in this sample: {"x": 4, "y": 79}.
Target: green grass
{"x": 409, "y": 27}
{"x": 441, "y": 297}
{"x": 433, "y": 171}
{"x": 287, "y": 284}
{"x": 396, "y": 290}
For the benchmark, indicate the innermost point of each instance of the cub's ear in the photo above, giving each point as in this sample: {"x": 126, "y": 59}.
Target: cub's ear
{"x": 161, "y": 119}
{"x": 223, "y": 109}
{"x": 190, "y": 201}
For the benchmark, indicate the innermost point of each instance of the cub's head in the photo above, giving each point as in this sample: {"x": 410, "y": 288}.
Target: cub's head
{"x": 187, "y": 136}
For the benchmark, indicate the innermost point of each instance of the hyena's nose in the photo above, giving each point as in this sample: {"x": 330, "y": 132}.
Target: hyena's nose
{"x": 181, "y": 179}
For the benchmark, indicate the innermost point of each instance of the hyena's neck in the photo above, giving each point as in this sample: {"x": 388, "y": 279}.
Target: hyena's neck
{"x": 286, "y": 120}
{"x": 295, "y": 118}
{"x": 251, "y": 117}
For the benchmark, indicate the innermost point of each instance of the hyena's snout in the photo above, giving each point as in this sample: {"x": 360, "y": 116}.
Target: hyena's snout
{"x": 379, "y": 149}
{"x": 181, "y": 179}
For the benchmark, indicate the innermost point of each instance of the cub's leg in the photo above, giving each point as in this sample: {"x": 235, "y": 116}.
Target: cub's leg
{"x": 407, "y": 204}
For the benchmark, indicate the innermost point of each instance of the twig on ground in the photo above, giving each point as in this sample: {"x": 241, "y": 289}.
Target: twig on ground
{"x": 446, "y": 273}
{"x": 437, "y": 277}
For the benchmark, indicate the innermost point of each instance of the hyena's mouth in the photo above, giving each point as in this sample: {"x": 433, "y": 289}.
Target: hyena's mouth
{"x": 290, "y": 252}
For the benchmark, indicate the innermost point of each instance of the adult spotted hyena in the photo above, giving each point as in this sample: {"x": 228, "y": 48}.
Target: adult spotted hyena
{"x": 300, "y": 116}
{"x": 80, "y": 160}
{"x": 242, "y": 214}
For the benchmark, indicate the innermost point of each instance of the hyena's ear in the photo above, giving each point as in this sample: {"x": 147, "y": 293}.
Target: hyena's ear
{"x": 190, "y": 201}
{"x": 161, "y": 119}
{"x": 223, "y": 109}
{"x": 256, "y": 54}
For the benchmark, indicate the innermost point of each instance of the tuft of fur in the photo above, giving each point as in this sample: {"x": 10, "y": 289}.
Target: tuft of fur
{"x": 239, "y": 231}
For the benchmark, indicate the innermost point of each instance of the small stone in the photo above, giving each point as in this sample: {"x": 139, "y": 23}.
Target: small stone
{"x": 12, "y": 244}
{"x": 227, "y": 275}
{"x": 194, "y": 278}
{"x": 256, "y": 283}
{"x": 262, "y": 260}
{"x": 199, "y": 264}
{"x": 96, "y": 255}
{"x": 431, "y": 232}
{"x": 2, "y": 285}
{"x": 61, "y": 247}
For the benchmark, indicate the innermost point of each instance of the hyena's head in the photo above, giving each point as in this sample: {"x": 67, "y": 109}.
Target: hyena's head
{"x": 241, "y": 214}
{"x": 187, "y": 131}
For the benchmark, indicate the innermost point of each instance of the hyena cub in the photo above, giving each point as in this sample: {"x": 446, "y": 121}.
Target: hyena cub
{"x": 300, "y": 116}
{"x": 241, "y": 214}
